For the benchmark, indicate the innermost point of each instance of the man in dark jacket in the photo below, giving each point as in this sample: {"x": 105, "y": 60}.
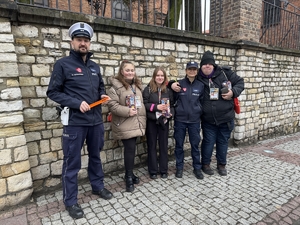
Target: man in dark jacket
{"x": 75, "y": 83}
{"x": 221, "y": 85}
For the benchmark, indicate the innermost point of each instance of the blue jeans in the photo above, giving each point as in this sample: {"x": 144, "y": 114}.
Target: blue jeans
{"x": 215, "y": 134}
{"x": 194, "y": 137}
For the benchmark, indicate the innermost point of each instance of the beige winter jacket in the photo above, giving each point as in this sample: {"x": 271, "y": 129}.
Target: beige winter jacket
{"x": 125, "y": 126}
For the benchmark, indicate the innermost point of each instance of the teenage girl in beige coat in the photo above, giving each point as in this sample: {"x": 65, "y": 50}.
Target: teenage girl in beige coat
{"x": 128, "y": 115}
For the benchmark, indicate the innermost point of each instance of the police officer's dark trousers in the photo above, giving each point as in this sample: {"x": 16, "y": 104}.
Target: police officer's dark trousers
{"x": 72, "y": 140}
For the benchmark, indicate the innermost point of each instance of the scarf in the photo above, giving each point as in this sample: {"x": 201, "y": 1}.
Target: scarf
{"x": 205, "y": 76}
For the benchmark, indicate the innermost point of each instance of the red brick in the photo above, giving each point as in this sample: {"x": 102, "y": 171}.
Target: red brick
{"x": 36, "y": 222}
{"x": 282, "y": 213}
{"x": 42, "y": 208}
{"x": 87, "y": 199}
{"x": 293, "y": 204}
{"x": 275, "y": 216}
{"x": 52, "y": 205}
{"x": 296, "y": 211}
{"x": 116, "y": 185}
{"x": 32, "y": 217}
{"x": 293, "y": 216}
{"x": 54, "y": 210}
{"x": 282, "y": 223}
{"x": 31, "y": 210}
{"x": 119, "y": 189}
{"x": 286, "y": 209}
{"x": 288, "y": 220}
{"x": 297, "y": 199}
{"x": 268, "y": 220}
{"x": 16, "y": 220}
{"x": 6, "y": 215}
{"x": 20, "y": 211}
{"x": 43, "y": 214}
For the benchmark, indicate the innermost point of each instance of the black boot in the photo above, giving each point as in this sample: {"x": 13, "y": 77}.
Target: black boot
{"x": 129, "y": 181}
{"x": 135, "y": 179}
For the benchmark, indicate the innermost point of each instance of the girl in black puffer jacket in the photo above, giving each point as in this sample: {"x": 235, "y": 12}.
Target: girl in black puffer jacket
{"x": 158, "y": 100}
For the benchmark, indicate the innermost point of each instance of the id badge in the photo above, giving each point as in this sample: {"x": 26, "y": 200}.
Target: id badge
{"x": 214, "y": 93}
{"x": 138, "y": 102}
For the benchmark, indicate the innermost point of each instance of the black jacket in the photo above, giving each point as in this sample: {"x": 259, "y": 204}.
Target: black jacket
{"x": 73, "y": 81}
{"x": 151, "y": 101}
{"x": 220, "y": 111}
{"x": 188, "y": 107}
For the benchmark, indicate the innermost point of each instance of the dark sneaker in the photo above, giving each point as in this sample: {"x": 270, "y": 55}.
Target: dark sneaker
{"x": 178, "y": 173}
{"x": 75, "y": 211}
{"x": 104, "y": 193}
{"x": 198, "y": 174}
{"x": 222, "y": 170}
{"x": 164, "y": 175}
{"x": 207, "y": 170}
{"x": 153, "y": 176}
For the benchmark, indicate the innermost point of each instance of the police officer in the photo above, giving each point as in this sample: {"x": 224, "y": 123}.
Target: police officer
{"x": 75, "y": 83}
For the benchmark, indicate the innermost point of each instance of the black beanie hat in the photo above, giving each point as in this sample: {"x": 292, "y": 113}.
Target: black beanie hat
{"x": 207, "y": 58}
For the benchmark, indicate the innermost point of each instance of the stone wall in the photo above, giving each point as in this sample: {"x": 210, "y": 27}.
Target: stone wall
{"x": 32, "y": 39}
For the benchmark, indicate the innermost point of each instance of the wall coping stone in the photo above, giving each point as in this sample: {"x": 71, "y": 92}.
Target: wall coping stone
{"x": 32, "y": 14}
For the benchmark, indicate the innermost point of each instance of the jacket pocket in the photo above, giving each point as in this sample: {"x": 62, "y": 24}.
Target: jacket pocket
{"x": 119, "y": 121}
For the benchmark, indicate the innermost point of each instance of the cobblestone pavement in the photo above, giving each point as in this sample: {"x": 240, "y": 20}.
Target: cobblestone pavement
{"x": 262, "y": 187}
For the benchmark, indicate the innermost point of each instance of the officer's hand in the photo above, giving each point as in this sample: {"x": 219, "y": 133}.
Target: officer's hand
{"x": 176, "y": 87}
{"x": 84, "y": 107}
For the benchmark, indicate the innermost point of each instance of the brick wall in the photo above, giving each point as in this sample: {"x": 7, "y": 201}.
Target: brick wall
{"x": 30, "y": 134}
{"x": 241, "y": 19}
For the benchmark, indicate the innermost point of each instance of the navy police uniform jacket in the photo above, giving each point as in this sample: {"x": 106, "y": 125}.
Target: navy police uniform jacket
{"x": 73, "y": 81}
{"x": 188, "y": 102}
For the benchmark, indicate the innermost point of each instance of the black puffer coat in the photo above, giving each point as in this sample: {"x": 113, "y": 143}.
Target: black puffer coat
{"x": 220, "y": 111}
{"x": 151, "y": 101}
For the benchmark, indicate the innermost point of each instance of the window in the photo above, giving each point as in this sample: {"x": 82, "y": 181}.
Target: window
{"x": 120, "y": 10}
{"x": 272, "y": 14}
{"x": 35, "y": 2}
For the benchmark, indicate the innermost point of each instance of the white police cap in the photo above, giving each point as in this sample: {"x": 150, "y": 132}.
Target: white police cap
{"x": 81, "y": 29}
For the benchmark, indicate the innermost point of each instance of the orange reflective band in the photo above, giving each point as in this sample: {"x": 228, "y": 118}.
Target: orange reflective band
{"x": 99, "y": 102}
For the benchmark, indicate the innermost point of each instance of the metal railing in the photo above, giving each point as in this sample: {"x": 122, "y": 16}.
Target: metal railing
{"x": 280, "y": 24}
{"x": 186, "y": 15}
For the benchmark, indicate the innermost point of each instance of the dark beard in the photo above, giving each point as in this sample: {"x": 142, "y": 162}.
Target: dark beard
{"x": 81, "y": 53}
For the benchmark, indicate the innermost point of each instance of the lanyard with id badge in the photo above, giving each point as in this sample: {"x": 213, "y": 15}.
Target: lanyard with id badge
{"x": 213, "y": 91}
{"x": 133, "y": 101}
{"x": 164, "y": 101}
{"x": 165, "y": 114}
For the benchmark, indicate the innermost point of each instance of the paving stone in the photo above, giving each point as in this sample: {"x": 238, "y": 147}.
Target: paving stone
{"x": 264, "y": 192}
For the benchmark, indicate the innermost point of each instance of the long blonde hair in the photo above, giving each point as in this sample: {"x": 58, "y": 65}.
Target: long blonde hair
{"x": 153, "y": 85}
{"x": 121, "y": 77}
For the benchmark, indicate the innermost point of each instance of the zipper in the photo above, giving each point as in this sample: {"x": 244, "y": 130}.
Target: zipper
{"x": 91, "y": 83}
